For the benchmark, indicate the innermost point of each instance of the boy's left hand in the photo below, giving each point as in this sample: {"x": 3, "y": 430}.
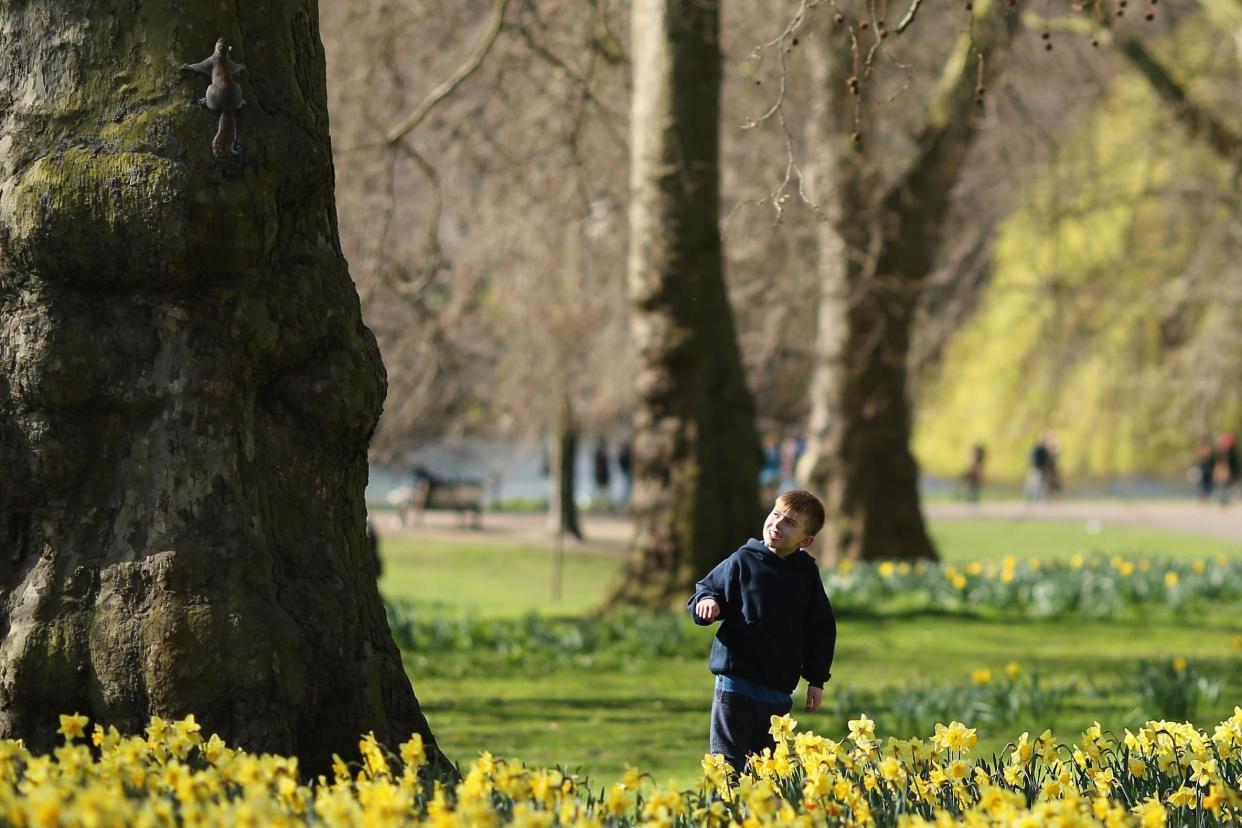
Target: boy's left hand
{"x": 814, "y": 697}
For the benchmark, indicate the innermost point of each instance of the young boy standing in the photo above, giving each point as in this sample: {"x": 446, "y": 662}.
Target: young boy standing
{"x": 775, "y": 624}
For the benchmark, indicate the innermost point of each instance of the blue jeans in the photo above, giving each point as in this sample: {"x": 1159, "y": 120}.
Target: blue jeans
{"x": 740, "y": 726}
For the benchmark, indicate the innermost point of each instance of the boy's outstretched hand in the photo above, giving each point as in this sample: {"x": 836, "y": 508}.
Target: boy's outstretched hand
{"x": 814, "y": 698}
{"x": 707, "y": 609}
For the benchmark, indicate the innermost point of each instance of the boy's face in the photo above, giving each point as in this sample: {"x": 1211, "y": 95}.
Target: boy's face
{"x": 782, "y": 531}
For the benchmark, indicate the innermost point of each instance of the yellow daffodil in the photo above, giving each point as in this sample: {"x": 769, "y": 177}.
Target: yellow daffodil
{"x": 1104, "y": 781}
{"x": 1204, "y": 772}
{"x": 955, "y": 737}
{"x": 861, "y": 729}
{"x": 956, "y": 770}
{"x": 1183, "y": 797}
{"x": 782, "y": 728}
{"x": 891, "y": 769}
{"x": 1013, "y": 775}
{"x": 617, "y": 800}
{"x": 1151, "y": 813}
{"x": 73, "y": 726}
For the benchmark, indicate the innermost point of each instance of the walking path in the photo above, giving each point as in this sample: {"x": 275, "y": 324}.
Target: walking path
{"x": 604, "y": 533}
{"x": 609, "y": 534}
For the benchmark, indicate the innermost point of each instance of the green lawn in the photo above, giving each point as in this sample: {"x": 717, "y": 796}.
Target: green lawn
{"x": 507, "y": 581}
{"x": 493, "y": 580}
{"x": 978, "y": 540}
{"x": 653, "y": 713}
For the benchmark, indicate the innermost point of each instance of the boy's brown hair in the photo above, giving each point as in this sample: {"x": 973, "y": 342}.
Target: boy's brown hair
{"x": 807, "y": 505}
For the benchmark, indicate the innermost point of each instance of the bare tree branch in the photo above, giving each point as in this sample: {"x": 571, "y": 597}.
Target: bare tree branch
{"x": 1197, "y": 120}
{"x": 454, "y": 80}
{"x": 909, "y": 18}
{"x": 435, "y": 252}
{"x": 609, "y": 117}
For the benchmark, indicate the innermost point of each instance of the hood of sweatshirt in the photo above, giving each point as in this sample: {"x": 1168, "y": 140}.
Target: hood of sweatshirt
{"x": 761, "y": 549}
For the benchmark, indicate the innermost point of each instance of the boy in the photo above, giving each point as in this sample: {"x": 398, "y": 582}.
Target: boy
{"x": 776, "y": 624}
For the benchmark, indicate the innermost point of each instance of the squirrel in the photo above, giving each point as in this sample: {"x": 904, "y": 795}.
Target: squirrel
{"x": 223, "y": 95}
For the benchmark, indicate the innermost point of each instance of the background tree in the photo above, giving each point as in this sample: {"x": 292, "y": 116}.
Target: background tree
{"x": 879, "y": 244}
{"x": 1114, "y": 304}
{"x": 696, "y": 452}
{"x": 499, "y": 156}
{"x": 187, "y": 392}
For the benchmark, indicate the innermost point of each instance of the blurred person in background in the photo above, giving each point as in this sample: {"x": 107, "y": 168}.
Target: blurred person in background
{"x": 1225, "y": 473}
{"x": 974, "y": 472}
{"x": 1202, "y": 471}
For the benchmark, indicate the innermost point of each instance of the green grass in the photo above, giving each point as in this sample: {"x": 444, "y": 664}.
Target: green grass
{"x": 653, "y": 713}
{"x": 978, "y": 540}
{"x": 493, "y": 580}
{"x": 496, "y": 580}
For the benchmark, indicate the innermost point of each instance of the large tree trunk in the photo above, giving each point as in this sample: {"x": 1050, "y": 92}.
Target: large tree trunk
{"x": 879, "y": 247}
{"x": 866, "y": 469}
{"x": 186, "y": 388}
{"x": 696, "y": 451}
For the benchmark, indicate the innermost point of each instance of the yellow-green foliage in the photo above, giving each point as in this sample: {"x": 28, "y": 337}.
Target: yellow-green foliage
{"x": 1073, "y": 332}
{"x": 1166, "y": 773}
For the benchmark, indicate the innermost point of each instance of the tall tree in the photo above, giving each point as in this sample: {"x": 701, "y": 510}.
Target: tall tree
{"x": 877, "y": 248}
{"x": 696, "y": 452}
{"x": 187, "y": 390}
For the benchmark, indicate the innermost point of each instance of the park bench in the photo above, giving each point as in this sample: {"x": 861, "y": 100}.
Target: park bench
{"x": 431, "y": 491}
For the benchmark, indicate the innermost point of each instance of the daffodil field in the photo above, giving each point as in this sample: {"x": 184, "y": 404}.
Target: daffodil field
{"x": 571, "y": 700}
{"x": 1090, "y": 587}
{"x": 1164, "y": 773}
{"x": 500, "y": 669}
{"x": 453, "y": 645}
{"x": 1085, "y": 586}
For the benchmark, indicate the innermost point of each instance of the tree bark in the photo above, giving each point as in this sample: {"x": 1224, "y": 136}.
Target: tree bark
{"x": 696, "y": 450}
{"x": 186, "y": 388}
{"x": 879, "y": 247}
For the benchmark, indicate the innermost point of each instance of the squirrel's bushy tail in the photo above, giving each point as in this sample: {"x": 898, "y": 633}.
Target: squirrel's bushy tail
{"x": 225, "y": 142}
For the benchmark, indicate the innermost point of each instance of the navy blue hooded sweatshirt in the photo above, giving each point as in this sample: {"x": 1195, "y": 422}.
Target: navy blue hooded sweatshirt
{"x": 775, "y": 619}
